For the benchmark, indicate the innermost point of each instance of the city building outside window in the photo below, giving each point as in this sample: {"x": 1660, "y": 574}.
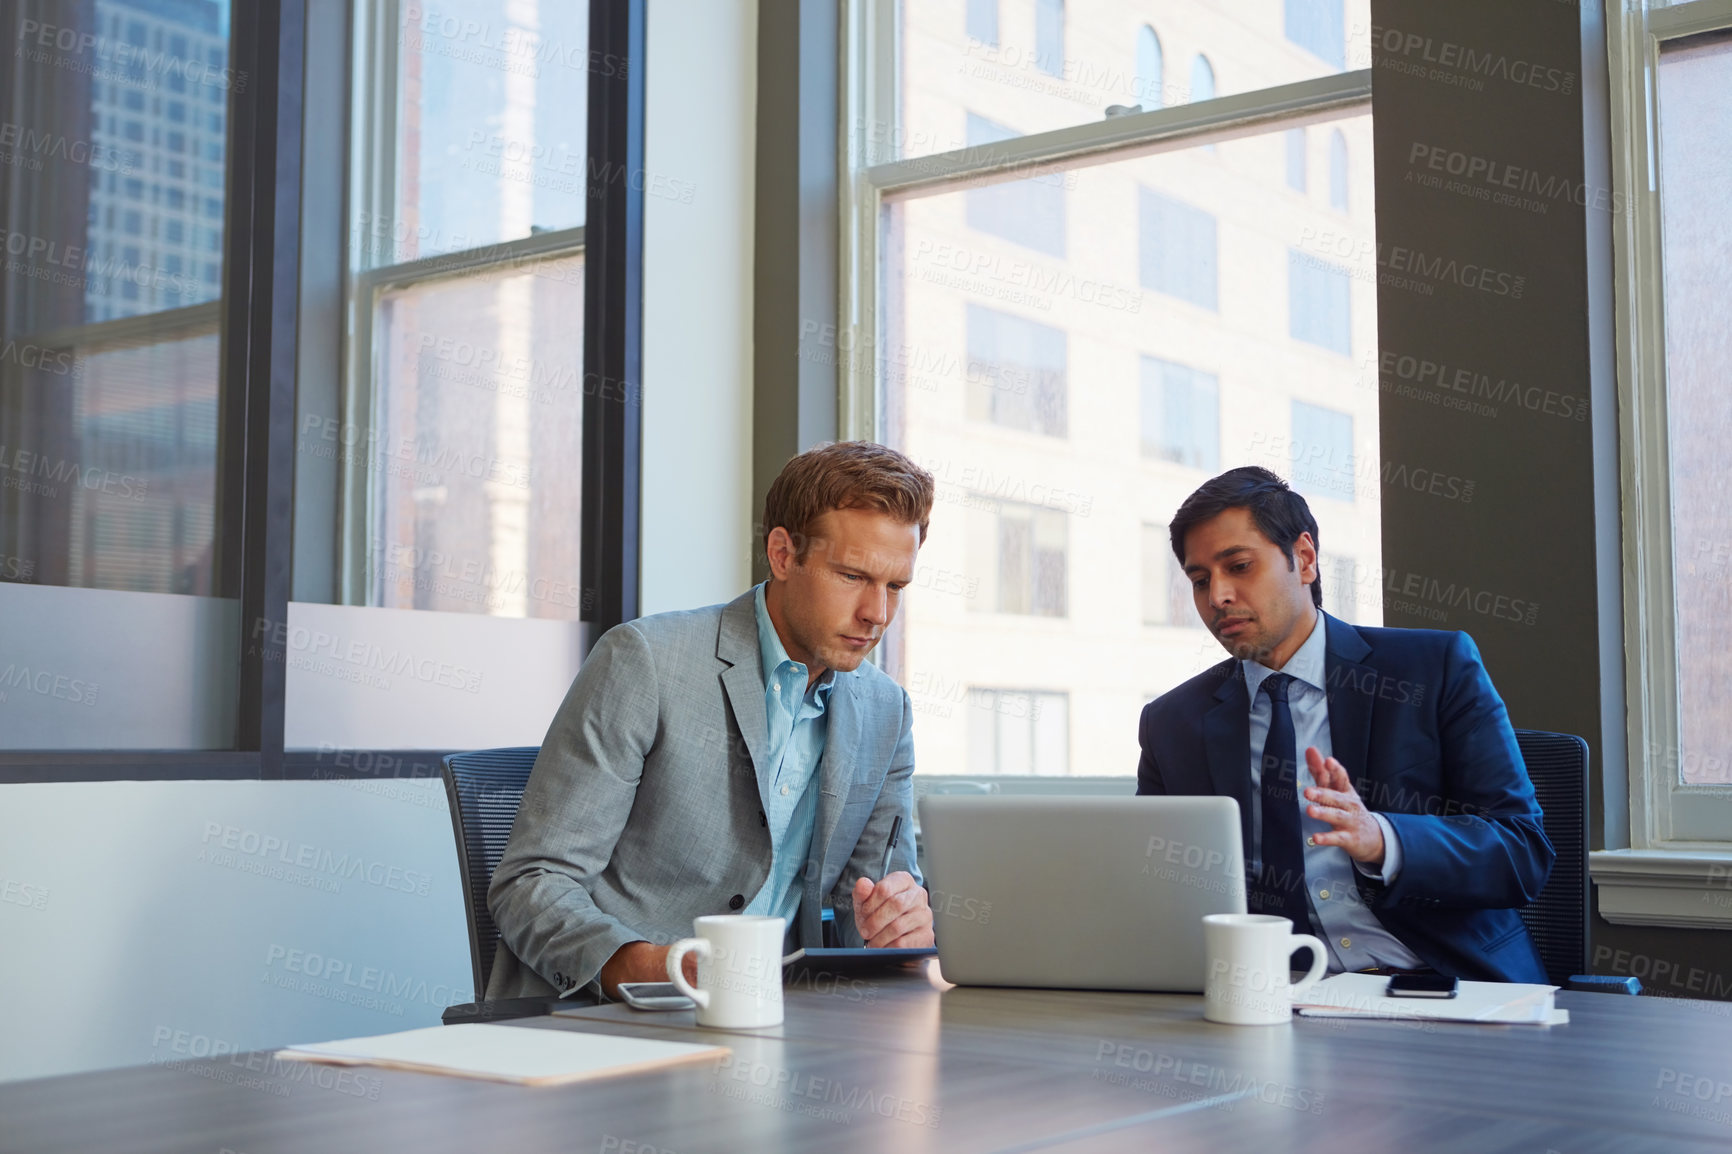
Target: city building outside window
{"x": 1181, "y": 415}
{"x": 1025, "y": 550}
{"x": 1321, "y": 452}
{"x": 1319, "y": 27}
{"x": 1320, "y": 302}
{"x": 1169, "y": 296}
{"x": 1177, "y": 244}
{"x": 1150, "y": 69}
{"x": 1029, "y": 212}
{"x": 1018, "y": 731}
{"x": 1016, "y": 372}
{"x": 1296, "y": 159}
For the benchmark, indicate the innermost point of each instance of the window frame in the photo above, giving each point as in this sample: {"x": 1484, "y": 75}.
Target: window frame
{"x": 868, "y": 113}
{"x": 1668, "y": 868}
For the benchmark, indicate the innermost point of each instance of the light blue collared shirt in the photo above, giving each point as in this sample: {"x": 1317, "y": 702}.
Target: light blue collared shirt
{"x": 1356, "y": 938}
{"x": 798, "y": 726}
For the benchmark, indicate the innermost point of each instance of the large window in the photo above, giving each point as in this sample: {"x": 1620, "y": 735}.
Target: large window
{"x": 1671, "y": 121}
{"x": 119, "y": 517}
{"x": 1162, "y": 321}
{"x": 293, "y": 324}
{"x": 462, "y": 448}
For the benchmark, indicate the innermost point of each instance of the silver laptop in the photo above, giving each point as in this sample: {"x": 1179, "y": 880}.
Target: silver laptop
{"x": 1088, "y": 893}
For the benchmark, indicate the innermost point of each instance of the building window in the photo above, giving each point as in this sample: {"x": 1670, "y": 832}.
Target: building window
{"x": 1319, "y": 27}
{"x": 1181, "y": 415}
{"x": 983, "y": 21}
{"x": 1296, "y": 159}
{"x": 1202, "y": 78}
{"x": 1338, "y": 171}
{"x": 1049, "y": 36}
{"x": 1018, "y": 731}
{"x": 1321, "y": 450}
{"x": 1021, "y": 551}
{"x": 1177, "y": 253}
{"x": 1149, "y": 69}
{"x": 1166, "y": 589}
{"x": 1016, "y": 372}
{"x": 1319, "y": 303}
{"x": 1027, "y": 212}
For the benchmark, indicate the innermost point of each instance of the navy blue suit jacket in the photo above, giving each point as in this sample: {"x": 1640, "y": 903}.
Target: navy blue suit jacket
{"x": 1426, "y": 739}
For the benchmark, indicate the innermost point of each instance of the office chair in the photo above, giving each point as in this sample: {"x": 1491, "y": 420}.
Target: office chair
{"x": 1558, "y": 919}
{"x": 484, "y": 789}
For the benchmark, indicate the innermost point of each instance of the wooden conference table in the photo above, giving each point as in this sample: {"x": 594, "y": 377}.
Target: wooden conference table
{"x": 901, "y": 1062}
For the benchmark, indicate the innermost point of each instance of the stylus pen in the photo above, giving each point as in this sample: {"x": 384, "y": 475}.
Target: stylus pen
{"x": 895, "y": 832}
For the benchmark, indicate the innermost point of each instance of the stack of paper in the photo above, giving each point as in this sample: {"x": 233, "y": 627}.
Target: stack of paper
{"x": 1362, "y": 996}
{"x": 529, "y": 1057}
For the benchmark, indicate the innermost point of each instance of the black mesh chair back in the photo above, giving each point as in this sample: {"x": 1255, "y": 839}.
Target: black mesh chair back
{"x": 484, "y": 789}
{"x": 1558, "y": 767}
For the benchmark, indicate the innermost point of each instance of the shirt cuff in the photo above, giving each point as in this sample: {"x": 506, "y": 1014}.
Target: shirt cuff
{"x": 1391, "y": 855}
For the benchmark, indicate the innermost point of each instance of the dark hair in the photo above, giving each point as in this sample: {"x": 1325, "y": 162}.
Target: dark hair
{"x": 1280, "y": 513}
{"x": 846, "y": 475}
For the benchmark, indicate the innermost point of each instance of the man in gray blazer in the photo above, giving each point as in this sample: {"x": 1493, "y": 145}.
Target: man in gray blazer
{"x": 737, "y": 759}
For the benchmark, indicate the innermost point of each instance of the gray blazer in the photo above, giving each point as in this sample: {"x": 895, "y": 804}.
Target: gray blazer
{"x": 643, "y": 812}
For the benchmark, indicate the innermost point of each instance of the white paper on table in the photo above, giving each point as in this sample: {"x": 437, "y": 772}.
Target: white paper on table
{"x": 1362, "y": 996}
{"x": 524, "y": 1055}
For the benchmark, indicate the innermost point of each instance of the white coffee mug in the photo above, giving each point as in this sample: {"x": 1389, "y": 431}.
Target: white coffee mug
{"x": 1250, "y": 959}
{"x": 739, "y": 970}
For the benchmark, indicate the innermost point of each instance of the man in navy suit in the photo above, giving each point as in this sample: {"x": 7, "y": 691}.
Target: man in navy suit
{"x": 1385, "y": 803}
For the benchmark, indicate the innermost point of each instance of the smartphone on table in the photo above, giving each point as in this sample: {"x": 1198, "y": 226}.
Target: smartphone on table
{"x": 1422, "y": 986}
{"x": 653, "y": 996}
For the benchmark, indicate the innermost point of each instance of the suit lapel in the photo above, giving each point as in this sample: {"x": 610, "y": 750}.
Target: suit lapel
{"x": 1227, "y": 744}
{"x": 737, "y": 644}
{"x": 1351, "y": 691}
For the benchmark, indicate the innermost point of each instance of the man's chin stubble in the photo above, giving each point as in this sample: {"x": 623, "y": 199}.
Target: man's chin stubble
{"x": 1243, "y": 650}
{"x": 846, "y": 660}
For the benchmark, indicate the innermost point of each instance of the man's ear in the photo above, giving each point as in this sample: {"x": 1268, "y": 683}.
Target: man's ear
{"x": 779, "y": 550}
{"x": 1305, "y": 553}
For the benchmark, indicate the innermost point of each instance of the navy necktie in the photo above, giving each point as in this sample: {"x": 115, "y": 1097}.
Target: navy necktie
{"x": 1280, "y": 887}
